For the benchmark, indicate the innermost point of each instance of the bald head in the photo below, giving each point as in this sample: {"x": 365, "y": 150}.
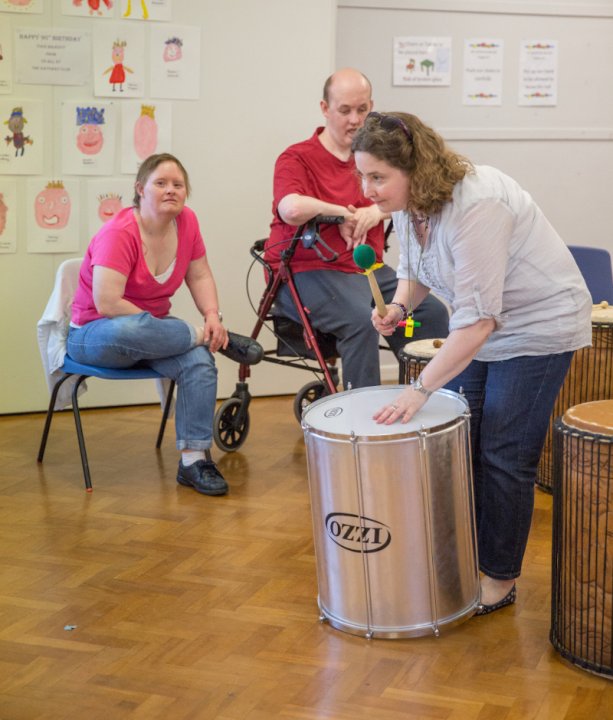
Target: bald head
{"x": 346, "y": 79}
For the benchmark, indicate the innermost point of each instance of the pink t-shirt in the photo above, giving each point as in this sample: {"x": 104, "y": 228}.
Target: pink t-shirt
{"x": 117, "y": 245}
{"x": 307, "y": 168}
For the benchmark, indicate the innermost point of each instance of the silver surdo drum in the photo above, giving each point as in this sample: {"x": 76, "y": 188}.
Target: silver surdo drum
{"x": 393, "y": 514}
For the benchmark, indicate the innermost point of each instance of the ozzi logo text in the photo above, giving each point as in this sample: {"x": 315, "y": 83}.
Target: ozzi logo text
{"x": 357, "y": 533}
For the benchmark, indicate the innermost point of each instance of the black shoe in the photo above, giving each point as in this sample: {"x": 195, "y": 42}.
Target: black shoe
{"x": 508, "y": 599}
{"x": 243, "y": 350}
{"x": 203, "y": 476}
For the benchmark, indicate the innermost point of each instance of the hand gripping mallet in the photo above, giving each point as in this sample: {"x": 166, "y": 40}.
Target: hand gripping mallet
{"x": 364, "y": 257}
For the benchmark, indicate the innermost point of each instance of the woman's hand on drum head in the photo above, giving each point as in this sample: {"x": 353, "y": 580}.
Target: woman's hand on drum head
{"x": 402, "y": 409}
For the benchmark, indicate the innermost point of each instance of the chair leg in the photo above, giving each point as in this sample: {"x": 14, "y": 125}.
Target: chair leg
{"x": 49, "y": 418}
{"x": 207, "y": 455}
{"x": 77, "y": 419}
{"x": 165, "y": 414}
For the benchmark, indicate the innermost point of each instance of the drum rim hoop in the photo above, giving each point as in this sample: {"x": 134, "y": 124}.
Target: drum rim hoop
{"x": 458, "y": 419}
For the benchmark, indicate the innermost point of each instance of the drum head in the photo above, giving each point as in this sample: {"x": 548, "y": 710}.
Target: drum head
{"x": 351, "y": 412}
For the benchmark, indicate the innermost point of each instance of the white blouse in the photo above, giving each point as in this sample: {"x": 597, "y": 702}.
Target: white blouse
{"x": 491, "y": 253}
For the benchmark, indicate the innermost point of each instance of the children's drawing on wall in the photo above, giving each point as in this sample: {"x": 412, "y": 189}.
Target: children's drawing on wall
{"x": 22, "y": 6}
{"x": 127, "y": 13}
{"x": 88, "y": 138}
{"x": 6, "y": 58}
{"x": 105, "y": 198}
{"x": 145, "y": 132}
{"x": 172, "y": 49}
{"x": 119, "y": 60}
{"x": 16, "y": 131}
{"x": 160, "y": 10}
{"x": 89, "y": 8}
{"x": 21, "y": 137}
{"x": 52, "y": 206}
{"x": 53, "y": 221}
{"x": 8, "y": 217}
{"x": 145, "y": 129}
{"x": 174, "y": 62}
{"x": 118, "y": 70}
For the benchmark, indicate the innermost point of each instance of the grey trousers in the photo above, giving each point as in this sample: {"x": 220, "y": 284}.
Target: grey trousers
{"x": 341, "y": 304}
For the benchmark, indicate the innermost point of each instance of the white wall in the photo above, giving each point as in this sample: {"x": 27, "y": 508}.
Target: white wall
{"x": 562, "y": 155}
{"x": 263, "y": 67}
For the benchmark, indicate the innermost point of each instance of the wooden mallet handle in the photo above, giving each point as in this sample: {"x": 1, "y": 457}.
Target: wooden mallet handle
{"x": 364, "y": 257}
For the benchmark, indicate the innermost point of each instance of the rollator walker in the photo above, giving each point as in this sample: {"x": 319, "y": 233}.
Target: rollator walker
{"x": 299, "y": 346}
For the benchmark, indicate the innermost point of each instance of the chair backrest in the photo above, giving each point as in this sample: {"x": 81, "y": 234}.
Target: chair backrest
{"x": 67, "y": 278}
{"x": 595, "y": 266}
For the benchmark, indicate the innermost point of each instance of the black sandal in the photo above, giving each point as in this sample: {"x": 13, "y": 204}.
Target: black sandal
{"x": 508, "y": 599}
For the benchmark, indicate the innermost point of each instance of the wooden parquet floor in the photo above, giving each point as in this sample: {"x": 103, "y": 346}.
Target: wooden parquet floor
{"x": 184, "y": 607}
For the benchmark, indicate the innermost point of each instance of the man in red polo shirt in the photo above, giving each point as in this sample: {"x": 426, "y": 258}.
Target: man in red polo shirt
{"x": 318, "y": 176}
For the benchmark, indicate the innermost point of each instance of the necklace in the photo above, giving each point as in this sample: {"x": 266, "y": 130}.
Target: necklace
{"x": 421, "y": 226}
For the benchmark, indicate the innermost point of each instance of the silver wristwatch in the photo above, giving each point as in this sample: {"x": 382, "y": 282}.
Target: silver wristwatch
{"x": 418, "y": 387}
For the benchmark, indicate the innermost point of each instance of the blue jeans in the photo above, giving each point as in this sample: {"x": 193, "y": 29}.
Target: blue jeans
{"x": 510, "y": 402}
{"x": 341, "y": 304}
{"x": 167, "y": 345}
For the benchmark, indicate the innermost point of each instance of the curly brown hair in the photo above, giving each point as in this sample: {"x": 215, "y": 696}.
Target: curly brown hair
{"x": 404, "y": 142}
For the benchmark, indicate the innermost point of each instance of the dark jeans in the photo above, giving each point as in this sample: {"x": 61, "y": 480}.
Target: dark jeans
{"x": 510, "y": 403}
{"x": 341, "y": 304}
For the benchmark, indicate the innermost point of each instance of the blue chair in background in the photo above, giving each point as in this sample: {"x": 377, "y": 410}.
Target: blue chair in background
{"x": 595, "y": 266}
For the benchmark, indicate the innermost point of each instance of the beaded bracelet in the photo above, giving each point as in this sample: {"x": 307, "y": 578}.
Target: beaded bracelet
{"x": 405, "y": 312}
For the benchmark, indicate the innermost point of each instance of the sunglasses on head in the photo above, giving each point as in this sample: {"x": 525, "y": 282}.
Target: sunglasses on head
{"x": 390, "y": 122}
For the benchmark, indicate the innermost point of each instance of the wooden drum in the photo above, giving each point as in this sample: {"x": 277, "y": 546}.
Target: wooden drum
{"x": 415, "y": 356}
{"x": 582, "y": 573}
{"x": 589, "y": 378}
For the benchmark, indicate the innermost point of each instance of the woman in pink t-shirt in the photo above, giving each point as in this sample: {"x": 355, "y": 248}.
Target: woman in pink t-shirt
{"x": 120, "y": 313}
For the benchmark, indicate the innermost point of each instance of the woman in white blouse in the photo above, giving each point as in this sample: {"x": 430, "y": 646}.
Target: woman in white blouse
{"x": 519, "y": 309}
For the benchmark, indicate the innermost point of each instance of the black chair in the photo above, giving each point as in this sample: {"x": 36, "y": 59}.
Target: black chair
{"x": 82, "y": 372}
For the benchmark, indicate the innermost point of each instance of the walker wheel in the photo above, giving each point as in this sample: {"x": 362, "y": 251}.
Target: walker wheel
{"x": 308, "y": 394}
{"x": 229, "y": 434}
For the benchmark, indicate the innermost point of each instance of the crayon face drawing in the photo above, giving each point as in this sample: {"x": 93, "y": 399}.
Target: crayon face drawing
{"x": 52, "y": 206}
{"x": 173, "y": 49}
{"x": 90, "y": 138}
{"x": 108, "y": 206}
{"x": 16, "y": 124}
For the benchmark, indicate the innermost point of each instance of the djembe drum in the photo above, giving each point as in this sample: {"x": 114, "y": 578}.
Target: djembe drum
{"x": 582, "y": 573}
{"x": 414, "y": 357}
{"x": 589, "y": 378}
